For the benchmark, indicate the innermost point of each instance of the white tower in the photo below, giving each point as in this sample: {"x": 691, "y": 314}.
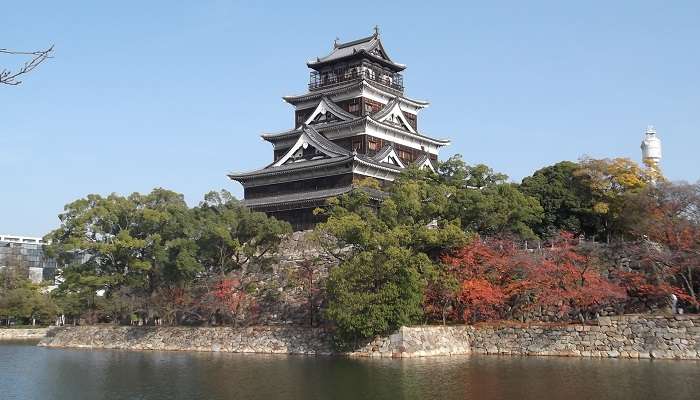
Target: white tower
{"x": 651, "y": 147}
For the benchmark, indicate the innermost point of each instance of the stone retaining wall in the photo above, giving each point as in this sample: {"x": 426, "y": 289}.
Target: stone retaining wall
{"x": 419, "y": 341}
{"x": 283, "y": 340}
{"x": 22, "y": 334}
{"x": 617, "y": 337}
{"x": 627, "y": 336}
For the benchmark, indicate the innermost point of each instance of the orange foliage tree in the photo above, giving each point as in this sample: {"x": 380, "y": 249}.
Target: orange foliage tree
{"x": 497, "y": 280}
{"x": 668, "y": 221}
{"x": 228, "y": 301}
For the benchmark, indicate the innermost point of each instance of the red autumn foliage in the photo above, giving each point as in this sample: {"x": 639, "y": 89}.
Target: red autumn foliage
{"x": 571, "y": 282}
{"x": 496, "y": 280}
{"x": 671, "y": 227}
{"x": 227, "y": 293}
{"x": 647, "y": 289}
{"x": 229, "y": 299}
{"x": 481, "y": 299}
{"x": 483, "y": 275}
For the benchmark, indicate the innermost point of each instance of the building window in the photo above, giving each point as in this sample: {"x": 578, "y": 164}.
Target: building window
{"x": 373, "y": 145}
{"x": 357, "y": 145}
{"x": 405, "y": 155}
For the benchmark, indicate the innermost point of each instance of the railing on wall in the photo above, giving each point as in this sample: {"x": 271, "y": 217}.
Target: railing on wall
{"x": 322, "y": 79}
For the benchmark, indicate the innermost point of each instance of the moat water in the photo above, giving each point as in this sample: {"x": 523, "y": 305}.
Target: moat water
{"x": 30, "y": 372}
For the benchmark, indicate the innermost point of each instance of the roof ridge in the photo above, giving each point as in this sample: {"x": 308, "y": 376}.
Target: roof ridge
{"x": 383, "y": 152}
{"x": 364, "y": 46}
{"x": 305, "y": 197}
{"x": 442, "y": 142}
{"x": 369, "y": 160}
{"x": 323, "y": 142}
{"x": 285, "y": 168}
{"x": 336, "y": 108}
{"x": 421, "y": 159}
{"x": 386, "y": 109}
{"x": 318, "y": 127}
{"x": 354, "y": 42}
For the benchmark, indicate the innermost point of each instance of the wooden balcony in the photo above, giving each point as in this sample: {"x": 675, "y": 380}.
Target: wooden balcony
{"x": 323, "y": 79}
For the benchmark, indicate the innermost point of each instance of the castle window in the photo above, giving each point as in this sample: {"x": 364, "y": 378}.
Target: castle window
{"x": 357, "y": 145}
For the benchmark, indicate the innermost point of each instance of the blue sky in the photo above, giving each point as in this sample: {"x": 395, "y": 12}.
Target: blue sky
{"x": 175, "y": 94}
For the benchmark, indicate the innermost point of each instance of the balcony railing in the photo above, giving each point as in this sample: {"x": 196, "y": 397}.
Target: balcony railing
{"x": 322, "y": 79}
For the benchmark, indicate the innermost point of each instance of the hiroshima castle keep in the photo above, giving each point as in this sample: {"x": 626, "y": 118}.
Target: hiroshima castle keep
{"x": 354, "y": 122}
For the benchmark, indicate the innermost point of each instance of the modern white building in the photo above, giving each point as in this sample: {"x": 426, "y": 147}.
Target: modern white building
{"x": 27, "y": 252}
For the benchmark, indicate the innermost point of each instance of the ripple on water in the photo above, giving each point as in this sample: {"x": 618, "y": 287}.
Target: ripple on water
{"x": 30, "y": 372}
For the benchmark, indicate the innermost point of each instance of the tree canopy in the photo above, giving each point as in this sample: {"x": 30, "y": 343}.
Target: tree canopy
{"x": 565, "y": 198}
{"x": 134, "y": 249}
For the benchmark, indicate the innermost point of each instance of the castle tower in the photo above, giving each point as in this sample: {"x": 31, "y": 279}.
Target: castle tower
{"x": 651, "y": 148}
{"x": 354, "y": 122}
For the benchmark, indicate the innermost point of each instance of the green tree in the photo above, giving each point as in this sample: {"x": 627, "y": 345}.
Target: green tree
{"x": 123, "y": 247}
{"x": 565, "y": 198}
{"x": 485, "y": 203}
{"x": 497, "y": 210}
{"x": 376, "y": 292}
{"x": 611, "y": 182}
{"x": 387, "y": 253}
{"x": 230, "y": 235}
{"x": 23, "y": 301}
{"x": 455, "y": 172}
{"x": 135, "y": 251}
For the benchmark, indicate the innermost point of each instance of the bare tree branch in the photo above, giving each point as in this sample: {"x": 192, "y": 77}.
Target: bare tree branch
{"x": 9, "y": 77}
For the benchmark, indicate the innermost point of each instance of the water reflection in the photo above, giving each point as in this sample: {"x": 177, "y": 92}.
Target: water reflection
{"x": 28, "y": 372}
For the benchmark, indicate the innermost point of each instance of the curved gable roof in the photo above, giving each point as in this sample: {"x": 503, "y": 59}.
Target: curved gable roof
{"x": 311, "y": 137}
{"x": 424, "y": 162}
{"x": 393, "y": 108}
{"x": 383, "y": 156}
{"x": 327, "y": 105}
{"x": 370, "y": 46}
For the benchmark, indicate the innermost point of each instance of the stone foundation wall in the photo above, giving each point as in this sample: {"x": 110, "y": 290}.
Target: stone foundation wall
{"x": 419, "y": 341}
{"x": 627, "y": 336}
{"x": 670, "y": 337}
{"x": 22, "y": 334}
{"x": 282, "y": 340}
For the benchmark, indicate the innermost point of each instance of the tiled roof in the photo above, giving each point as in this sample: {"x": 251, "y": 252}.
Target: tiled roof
{"x": 383, "y": 153}
{"x": 310, "y": 197}
{"x": 287, "y": 168}
{"x": 319, "y": 127}
{"x": 334, "y": 154}
{"x": 371, "y": 161}
{"x": 336, "y": 109}
{"x": 420, "y": 160}
{"x": 320, "y": 141}
{"x": 385, "y": 110}
{"x": 364, "y": 46}
{"x": 295, "y": 132}
{"x": 439, "y": 142}
{"x": 424, "y": 160}
{"x": 297, "y": 197}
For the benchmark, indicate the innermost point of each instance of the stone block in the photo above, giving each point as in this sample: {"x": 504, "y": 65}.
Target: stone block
{"x": 613, "y": 353}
